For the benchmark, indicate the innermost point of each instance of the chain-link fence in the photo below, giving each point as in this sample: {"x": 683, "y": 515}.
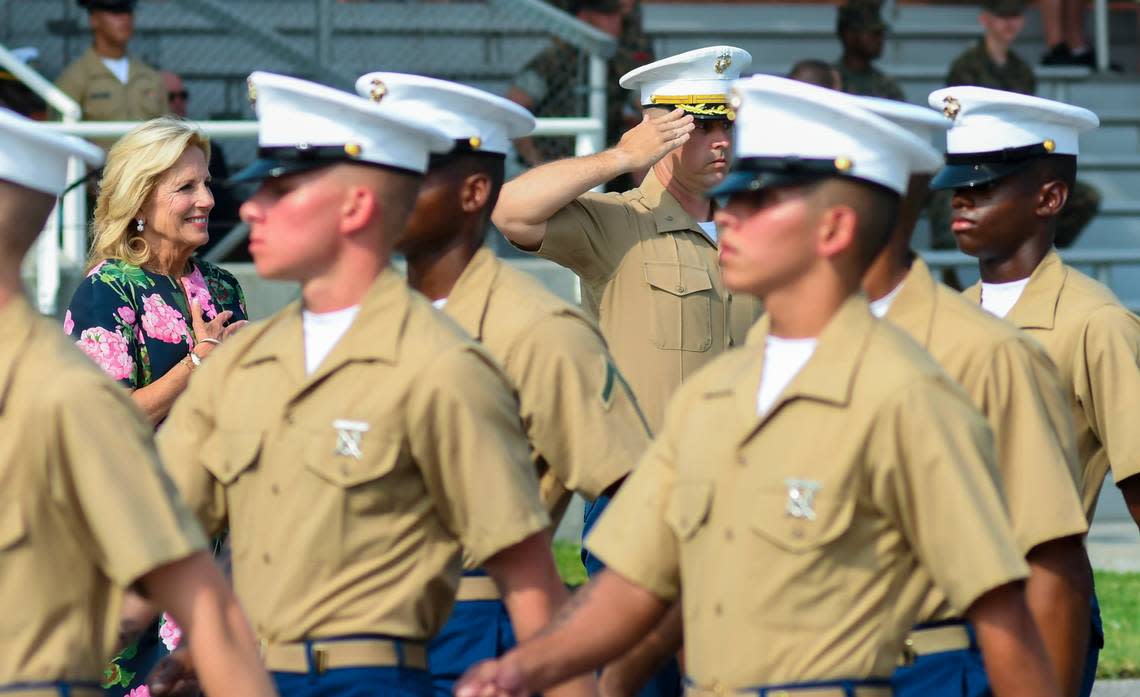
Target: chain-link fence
{"x": 531, "y": 51}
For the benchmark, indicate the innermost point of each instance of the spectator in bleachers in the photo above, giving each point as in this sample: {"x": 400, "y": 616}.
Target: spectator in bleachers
{"x": 225, "y": 214}
{"x": 108, "y": 84}
{"x": 552, "y": 84}
{"x": 1063, "y": 22}
{"x": 861, "y": 29}
{"x": 993, "y": 63}
{"x": 816, "y": 72}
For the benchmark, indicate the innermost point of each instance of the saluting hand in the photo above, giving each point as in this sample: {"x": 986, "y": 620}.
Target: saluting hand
{"x": 494, "y": 678}
{"x": 655, "y": 137}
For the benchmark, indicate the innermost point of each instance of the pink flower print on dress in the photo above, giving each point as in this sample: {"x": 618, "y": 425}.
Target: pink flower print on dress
{"x": 194, "y": 284}
{"x": 68, "y": 323}
{"x": 163, "y": 322}
{"x": 95, "y": 270}
{"x": 140, "y": 691}
{"x": 109, "y": 350}
{"x": 127, "y": 314}
{"x": 170, "y": 632}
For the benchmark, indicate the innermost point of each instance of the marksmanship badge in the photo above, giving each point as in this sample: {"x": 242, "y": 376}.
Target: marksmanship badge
{"x": 348, "y": 435}
{"x": 801, "y": 498}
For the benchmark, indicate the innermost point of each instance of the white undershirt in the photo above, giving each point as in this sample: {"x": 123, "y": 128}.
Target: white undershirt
{"x": 119, "y": 67}
{"x": 439, "y": 304}
{"x": 999, "y": 298}
{"x": 882, "y": 306}
{"x": 783, "y": 360}
{"x": 322, "y": 331}
{"x": 710, "y": 229}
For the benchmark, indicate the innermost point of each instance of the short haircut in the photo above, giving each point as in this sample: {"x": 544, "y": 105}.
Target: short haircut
{"x": 814, "y": 72}
{"x": 1052, "y": 167}
{"x": 876, "y": 209}
{"x": 134, "y": 167}
{"x": 465, "y": 164}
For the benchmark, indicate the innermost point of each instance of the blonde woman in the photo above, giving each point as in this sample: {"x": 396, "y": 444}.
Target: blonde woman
{"x": 148, "y": 311}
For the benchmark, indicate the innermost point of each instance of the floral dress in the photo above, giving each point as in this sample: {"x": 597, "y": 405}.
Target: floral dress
{"x": 135, "y": 324}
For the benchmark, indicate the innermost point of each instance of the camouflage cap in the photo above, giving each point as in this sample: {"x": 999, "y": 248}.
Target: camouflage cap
{"x": 860, "y": 15}
{"x": 595, "y": 5}
{"x": 1004, "y": 8}
{"x": 108, "y": 5}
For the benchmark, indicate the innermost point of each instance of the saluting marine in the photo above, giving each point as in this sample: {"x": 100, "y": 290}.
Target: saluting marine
{"x": 1011, "y": 161}
{"x": 646, "y": 257}
{"x": 802, "y": 479}
{"x": 78, "y": 475}
{"x": 1012, "y": 381}
{"x": 583, "y": 425}
{"x": 356, "y": 441}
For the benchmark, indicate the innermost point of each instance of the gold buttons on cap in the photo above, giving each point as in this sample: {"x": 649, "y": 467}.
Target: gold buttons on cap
{"x": 1050, "y": 145}
{"x": 730, "y": 115}
{"x": 475, "y": 142}
{"x": 252, "y": 91}
{"x": 353, "y": 150}
{"x": 843, "y": 164}
{"x": 379, "y": 89}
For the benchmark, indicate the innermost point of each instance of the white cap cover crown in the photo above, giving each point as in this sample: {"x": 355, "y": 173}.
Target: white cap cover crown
{"x": 702, "y": 76}
{"x": 986, "y": 120}
{"x": 926, "y": 124}
{"x": 483, "y": 121}
{"x": 35, "y": 156}
{"x": 298, "y": 118}
{"x": 781, "y": 119}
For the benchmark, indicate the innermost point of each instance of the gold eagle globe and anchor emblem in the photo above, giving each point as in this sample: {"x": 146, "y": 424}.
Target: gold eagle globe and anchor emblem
{"x": 950, "y": 107}
{"x": 723, "y": 63}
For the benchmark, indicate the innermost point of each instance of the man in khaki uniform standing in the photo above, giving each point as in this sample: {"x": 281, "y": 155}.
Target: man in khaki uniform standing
{"x": 78, "y": 478}
{"x": 108, "y": 84}
{"x": 647, "y": 257}
{"x": 801, "y": 480}
{"x": 584, "y": 427}
{"x": 1011, "y": 161}
{"x": 356, "y": 441}
{"x": 1014, "y": 384}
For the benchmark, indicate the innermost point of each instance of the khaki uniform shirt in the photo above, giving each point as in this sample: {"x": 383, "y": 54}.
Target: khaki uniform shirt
{"x": 1012, "y": 381}
{"x": 584, "y": 427}
{"x": 792, "y": 532}
{"x": 103, "y": 98}
{"x": 650, "y": 277}
{"x": 1095, "y": 343}
{"x": 85, "y": 508}
{"x": 349, "y": 492}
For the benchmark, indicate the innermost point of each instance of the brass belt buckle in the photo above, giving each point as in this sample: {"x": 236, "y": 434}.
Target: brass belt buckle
{"x": 320, "y": 661}
{"x": 909, "y": 656}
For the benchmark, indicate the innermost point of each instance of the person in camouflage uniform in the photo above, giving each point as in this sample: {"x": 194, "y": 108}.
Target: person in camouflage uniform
{"x": 554, "y": 83}
{"x": 992, "y": 62}
{"x": 861, "y": 28}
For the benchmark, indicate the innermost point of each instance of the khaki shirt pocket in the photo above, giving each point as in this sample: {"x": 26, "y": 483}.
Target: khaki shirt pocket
{"x": 800, "y": 525}
{"x": 681, "y": 305}
{"x": 230, "y": 453}
{"x": 13, "y": 529}
{"x": 377, "y": 455}
{"x": 688, "y": 508}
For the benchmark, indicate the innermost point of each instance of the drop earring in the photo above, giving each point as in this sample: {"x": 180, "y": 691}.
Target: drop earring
{"x": 139, "y": 224}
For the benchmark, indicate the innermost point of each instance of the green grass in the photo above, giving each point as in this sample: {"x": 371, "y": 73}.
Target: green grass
{"x": 566, "y": 556}
{"x": 1119, "y": 596}
{"x": 1119, "y": 606}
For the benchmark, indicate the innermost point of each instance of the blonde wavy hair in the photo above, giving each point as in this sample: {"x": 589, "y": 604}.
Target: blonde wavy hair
{"x": 134, "y": 167}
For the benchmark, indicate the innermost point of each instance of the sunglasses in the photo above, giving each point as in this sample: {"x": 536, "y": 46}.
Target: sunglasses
{"x": 183, "y": 94}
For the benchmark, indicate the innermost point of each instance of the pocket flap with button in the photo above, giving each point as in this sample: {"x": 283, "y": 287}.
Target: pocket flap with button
{"x": 373, "y": 457}
{"x": 229, "y": 453}
{"x": 688, "y": 507}
{"x": 802, "y": 525}
{"x": 677, "y": 279}
{"x": 13, "y": 529}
